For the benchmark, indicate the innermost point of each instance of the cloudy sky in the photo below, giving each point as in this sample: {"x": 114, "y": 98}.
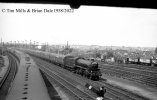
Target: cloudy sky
{"x": 105, "y": 26}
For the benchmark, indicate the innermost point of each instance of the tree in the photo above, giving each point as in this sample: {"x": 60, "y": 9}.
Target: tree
{"x": 110, "y": 54}
{"x": 67, "y": 50}
{"x": 98, "y": 55}
{"x": 43, "y": 47}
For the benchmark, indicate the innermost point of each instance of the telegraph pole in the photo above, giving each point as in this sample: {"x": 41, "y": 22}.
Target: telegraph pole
{"x": 2, "y": 46}
{"x": 30, "y": 44}
{"x": 26, "y": 43}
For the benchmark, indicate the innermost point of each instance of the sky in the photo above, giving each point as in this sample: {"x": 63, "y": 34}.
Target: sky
{"x": 88, "y": 25}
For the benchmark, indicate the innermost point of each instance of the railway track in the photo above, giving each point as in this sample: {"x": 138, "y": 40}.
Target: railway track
{"x": 152, "y": 69}
{"x": 142, "y": 79}
{"x": 138, "y": 72}
{"x": 112, "y": 91}
{"x": 140, "y": 76}
{"x": 141, "y": 67}
{"x": 77, "y": 93}
{"x": 124, "y": 93}
{"x": 8, "y": 78}
{"x": 134, "y": 70}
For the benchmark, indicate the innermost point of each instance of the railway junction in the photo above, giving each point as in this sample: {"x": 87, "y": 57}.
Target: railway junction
{"x": 25, "y": 76}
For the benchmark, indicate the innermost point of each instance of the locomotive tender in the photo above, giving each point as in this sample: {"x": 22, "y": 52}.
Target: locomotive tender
{"x": 77, "y": 65}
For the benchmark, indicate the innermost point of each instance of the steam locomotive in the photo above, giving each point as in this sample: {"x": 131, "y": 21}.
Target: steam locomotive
{"x": 77, "y": 65}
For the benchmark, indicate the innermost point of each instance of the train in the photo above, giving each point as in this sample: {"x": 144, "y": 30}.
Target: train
{"x": 142, "y": 61}
{"x": 75, "y": 64}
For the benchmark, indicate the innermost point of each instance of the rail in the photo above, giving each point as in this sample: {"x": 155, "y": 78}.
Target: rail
{"x": 77, "y": 92}
{"x": 8, "y": 78}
